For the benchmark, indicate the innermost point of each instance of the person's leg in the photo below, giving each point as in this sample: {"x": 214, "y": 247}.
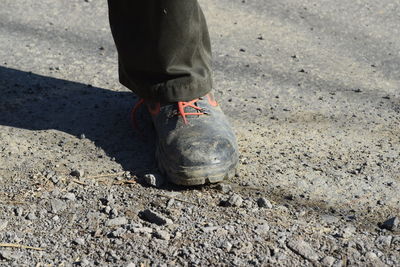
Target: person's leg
{"x": 164, "y": 57}
{"x": 164, "y": 48}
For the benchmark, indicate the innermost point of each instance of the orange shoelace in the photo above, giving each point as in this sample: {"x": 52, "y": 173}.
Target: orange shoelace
{"x": 192, "y": 104}
{"x": 181, "y": 111}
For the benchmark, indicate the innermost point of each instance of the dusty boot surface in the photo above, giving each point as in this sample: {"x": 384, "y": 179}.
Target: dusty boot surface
{"x": 195, "y": 142}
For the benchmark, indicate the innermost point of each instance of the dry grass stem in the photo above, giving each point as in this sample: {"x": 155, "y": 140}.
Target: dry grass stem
{"x": 9, "y": 245}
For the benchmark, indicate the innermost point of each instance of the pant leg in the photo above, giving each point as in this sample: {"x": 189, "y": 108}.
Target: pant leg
{"x": 163, "y": 48}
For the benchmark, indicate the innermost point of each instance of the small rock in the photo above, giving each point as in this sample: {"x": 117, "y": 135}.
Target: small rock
{"x": 19, "y": 211}
{"x": 303, "y": 249}
{"x": 3, "y": 225}
{"x": 170, "y": 203}
{"x": 178, "y": 235}
{"x": 329, "y": 219}
{"x": 82, "y": 136}
{"x": 161, "y": 234}
{"x": 109, "y": 199}
{"x": 55, "y": 179}
{"x": 7, "y": 255}
{"x": 107, "y": 210}
{"x": 154, "y": 179}
{"x": 371, "y": 255}
{"x": 70, "y": 196}
{"x": 119, "y": 232}
{"x": 117, "y": 221}
{"x": 262, "y": 229}
{"x": 338, "y": 263}
{"x": 383, "y": 242}
{"x": 245, "y": 248}
{"x": 131, "y": 265}
{"x": 227, "y": 246}
{"x": 328, "y": 261}
{"x": 79, "y": 241}
{"x": 154, "y": 217}
{"x": 224, "y": 188}
{"x": 31, "y": 216}
{"x": 85, "y": 262}
{"x": 374, "y": 258}
{"x": 264, "y": 203}
{"x": 114, "y": 212}
{"x": 209, "y": 229}
{"x": 142, "y": 230}
{"x": 77, "y": 173}
{"x": 57, "y": 205}
{"x": 391, "y": 224}
{"x": 235, "y": 200}
{"x": 348, "y": 231}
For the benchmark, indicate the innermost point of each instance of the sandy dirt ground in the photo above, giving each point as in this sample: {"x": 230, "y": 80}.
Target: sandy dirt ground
{"x": 311, "y": 87}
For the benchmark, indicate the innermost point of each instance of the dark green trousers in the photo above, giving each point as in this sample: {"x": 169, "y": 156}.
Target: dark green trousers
{"x": 164, "y": 49}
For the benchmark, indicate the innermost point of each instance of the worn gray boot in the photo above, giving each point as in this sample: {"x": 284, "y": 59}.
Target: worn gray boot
{"x": 196, "y": 144}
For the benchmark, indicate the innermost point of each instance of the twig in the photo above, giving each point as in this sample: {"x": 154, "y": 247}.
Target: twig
{"x": 105, "y": 175}
{"x": 8, "y": 245}
{"x": 12, "y": 202}
{"x": 124, "y": 182}
{"x": 78, "y": 182}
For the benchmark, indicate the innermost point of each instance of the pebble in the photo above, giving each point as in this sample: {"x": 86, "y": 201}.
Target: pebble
{"x": 57, "y": 205}
{"x": 7, "y": 255}
{"x": 235, "y": 200}
{"x": 19, "y": 211}
{"x": 245, "y": 248}
{"x": 77, "y": 173}
{"x": 227, "y": 246}
{"x": 79, "y": 241}
{"x": 119, "y": 232}
{"x": 161, "y": 234}
{"x": 178, "y": 235}
{"x": 391, "y": 224}
{"x": 142, "y": 230}
{"x": 31, "y": 216}
{"x": 328, "y": 261}
{"x": 302, "y": 248}
{"x": 117, "y": 221}
{"x": 85, "y": 262}
{"x": 262, "y": 229}
{"x": 224, "y": 188}
{"x": 329, "y": 219}
{"x": 170, "y": 203}
{"x": 209, "y": 229}
{"x": 114, "y": 212}
{"x": 262, "y": 202}
{"x": 107, "y": 209}
{"x": 154, "y": 217}
{"x": 3, "y": 225}
{"x": 348, "y": 231}
{"x": 154, "y": 179}
{"x": 54, "y": 179}
{"x": 371, "y": 255}
{"x": 383, "y": 241}
{"x": 70, "y": 196}
{"x": 109, "y": 200}
{"x": 131, "y": 265}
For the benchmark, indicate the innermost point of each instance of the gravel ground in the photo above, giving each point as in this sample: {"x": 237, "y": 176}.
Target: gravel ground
{"x": 312, "y": 88}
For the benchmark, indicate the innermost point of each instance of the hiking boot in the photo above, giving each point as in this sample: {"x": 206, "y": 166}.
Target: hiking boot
{"x": 196, "y": 145}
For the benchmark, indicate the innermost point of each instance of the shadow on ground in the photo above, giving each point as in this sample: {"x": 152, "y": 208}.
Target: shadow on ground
{"x": 34, "y": 102}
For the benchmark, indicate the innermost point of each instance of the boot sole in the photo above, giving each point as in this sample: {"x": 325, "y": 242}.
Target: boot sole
{"x": 199, "y": 176}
